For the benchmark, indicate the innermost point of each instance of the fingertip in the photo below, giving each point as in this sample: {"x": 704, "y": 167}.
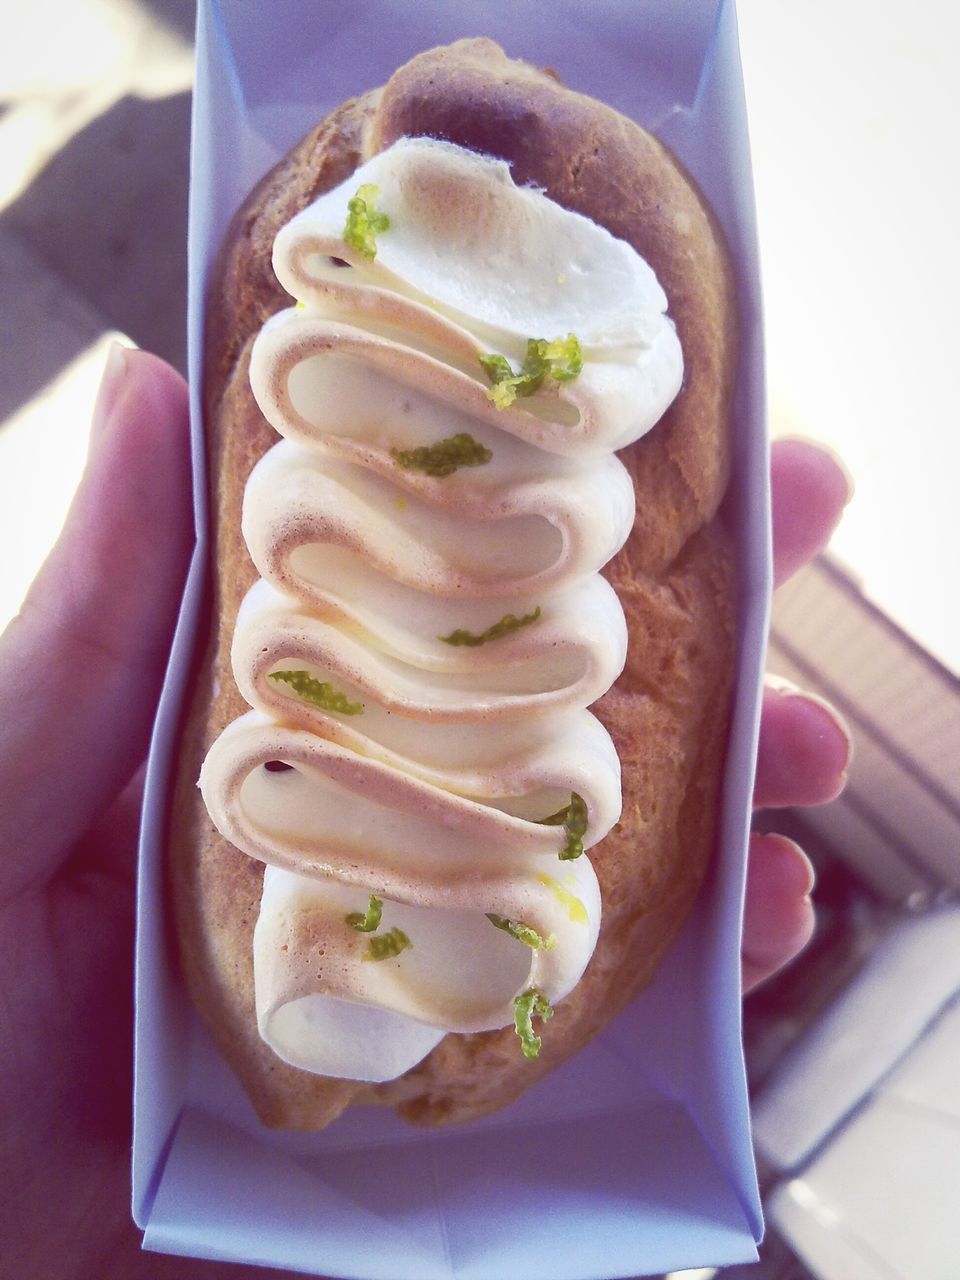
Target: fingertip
{"x": 820, "y": 460}
{"x": 131, "y": 380}
{"x": 805, "y": 749}
{"x": 780, "y": 865}
{"x": 153, "y": 372}
{"x": 810, "y": 487}
{"x": 152, "y": 396}
{"x": 779, "y": 918}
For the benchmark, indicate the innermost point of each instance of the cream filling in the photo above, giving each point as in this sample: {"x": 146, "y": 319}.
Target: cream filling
{"x": 425, "y": 777}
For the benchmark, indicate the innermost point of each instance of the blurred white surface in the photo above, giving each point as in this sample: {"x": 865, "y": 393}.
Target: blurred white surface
{"x": 867, "y": 1033}
{"x": 856, "y": 138}
{"x": 862, "y": 1121}
{"x": 63, "y": 64}
{"x": 880, "y": 1202}
{"x": 43, "y": 443}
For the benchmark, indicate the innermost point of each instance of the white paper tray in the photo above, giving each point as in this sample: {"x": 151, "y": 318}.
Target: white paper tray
{"x": 635, "y": 1157}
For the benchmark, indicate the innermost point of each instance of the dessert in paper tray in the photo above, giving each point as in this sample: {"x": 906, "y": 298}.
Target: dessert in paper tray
{"x": 469, "y": 366}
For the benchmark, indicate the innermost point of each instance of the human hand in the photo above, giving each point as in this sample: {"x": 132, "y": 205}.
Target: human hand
{"x": 804, "y": 748}
{"x": 93, "y": 636}
{"x": 80, "y": 672}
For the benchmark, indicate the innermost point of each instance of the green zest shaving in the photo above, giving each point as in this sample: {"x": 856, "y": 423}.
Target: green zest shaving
{"x": 525, "y": 1008}
{"x": 574, "y": 818}
{"x": 385, "y": 945}
{"x": 509, "y": 622}
{"x": 317, "y": 692}
{"x": 444, "y": 457}
{"x": 523, "y": 933}
{"x": 364, "y": 223}
{"x": 561, "y": 359}
{"x": 369, "y": 921}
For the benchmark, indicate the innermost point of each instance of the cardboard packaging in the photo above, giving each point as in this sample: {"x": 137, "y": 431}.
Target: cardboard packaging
{"x": 635, "y": 1157}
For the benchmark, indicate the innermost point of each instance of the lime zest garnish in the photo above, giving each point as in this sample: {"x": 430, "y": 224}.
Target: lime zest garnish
{"x": 498, "y": 370}
{"x": 560, "y": 359}
{"x": 563, "y": 358}
{"x": 573, "y": 817}
{"x": 575, "y": 909}
{"x": 531, "y": 1004}
{"x": 523, "y": 933}
{"x": 444, "y": 457}
{"x": 383, "y": 946}
{"x": 507, "y": 624}
{"x": 317, "y": 692}
{"x": 369, "y": 921}
{"x": 364, "y": 222}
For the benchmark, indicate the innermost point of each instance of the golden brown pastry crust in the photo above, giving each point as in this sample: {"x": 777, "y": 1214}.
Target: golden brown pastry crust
{"x": 668, "y": 712}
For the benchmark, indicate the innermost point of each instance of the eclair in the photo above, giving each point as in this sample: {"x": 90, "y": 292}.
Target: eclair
{"x": 459, "y": 726}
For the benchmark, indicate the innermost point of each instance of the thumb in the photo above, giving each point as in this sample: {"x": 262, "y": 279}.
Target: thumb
{"x": 81, "y": 666}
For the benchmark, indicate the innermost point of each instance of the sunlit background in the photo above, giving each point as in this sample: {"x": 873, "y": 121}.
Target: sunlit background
{"x": 93, "y": 96}
{"x": 853, "y": 114}
{"x": 854, "y": 126}
{"x": 853, "y": 121}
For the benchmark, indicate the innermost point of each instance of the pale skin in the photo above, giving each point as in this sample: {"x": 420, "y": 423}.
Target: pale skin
{"x": 80, "y": 672}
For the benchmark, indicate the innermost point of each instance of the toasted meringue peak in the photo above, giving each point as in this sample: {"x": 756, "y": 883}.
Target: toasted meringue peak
{"x": 501, "y": 260}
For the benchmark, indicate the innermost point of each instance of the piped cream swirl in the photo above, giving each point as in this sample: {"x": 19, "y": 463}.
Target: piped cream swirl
{"x": 426, "y": 780}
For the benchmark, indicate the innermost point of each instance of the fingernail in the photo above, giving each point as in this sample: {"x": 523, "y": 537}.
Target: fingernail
{"x": 805, "y": 871}
{"x": 111, "y": 386}
{"x": 780, "y": 684}
{"x": 785, "y": 688}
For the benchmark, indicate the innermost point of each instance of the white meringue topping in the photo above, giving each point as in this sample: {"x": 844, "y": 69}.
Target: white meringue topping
{"x": 392, "y": 751}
